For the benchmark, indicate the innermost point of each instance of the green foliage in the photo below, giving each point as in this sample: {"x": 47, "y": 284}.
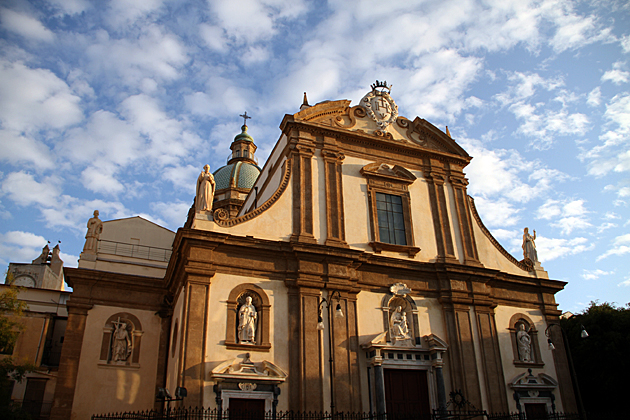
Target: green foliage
{"x": 601, "y": 361}
{"x": 11, "y": 308}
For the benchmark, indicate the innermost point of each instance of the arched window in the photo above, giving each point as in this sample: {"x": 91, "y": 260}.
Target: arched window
{"x": 524, "y": 337}
{"x": 248, "y": 318}
{"x": 122, "y": 337}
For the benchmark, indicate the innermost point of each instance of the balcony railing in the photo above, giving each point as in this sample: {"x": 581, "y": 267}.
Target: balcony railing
{"x": 134, "y": 251}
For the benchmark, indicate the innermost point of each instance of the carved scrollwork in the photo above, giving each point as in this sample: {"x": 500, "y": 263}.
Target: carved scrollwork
{"x": 221, "y": 215}
{"x": 384, "y": 134}
{"x": 359, "y": 111}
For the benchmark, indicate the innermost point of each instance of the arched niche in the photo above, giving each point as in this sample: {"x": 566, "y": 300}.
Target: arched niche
{"x": 516, "y": 321}
{"x": 260, "y": 301}
{"x": 389, "y": 303}
{"x": 132, "y": 335}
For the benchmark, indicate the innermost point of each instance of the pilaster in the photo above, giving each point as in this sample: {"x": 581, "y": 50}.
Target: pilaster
{"x": 335, "y": 225}
{"x": 69, "y": 362}
{"x": 436, "y": 177}
{"x": 302, "y": 148}
{"x": 462, "y": 212}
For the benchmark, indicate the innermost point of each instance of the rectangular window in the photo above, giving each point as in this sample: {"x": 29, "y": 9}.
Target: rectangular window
{"x": 391, "y": 220}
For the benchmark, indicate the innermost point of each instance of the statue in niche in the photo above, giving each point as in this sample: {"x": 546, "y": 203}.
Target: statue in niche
{"x": 399, "y": 327}
{"x": 95, "y": 227}
{"x": 205, "y": 190}
{"x": 524, "y": 341}
{"x": 529, "y": 247}
{"x": 247, "y": 317}
{"x": 121, "y": 342}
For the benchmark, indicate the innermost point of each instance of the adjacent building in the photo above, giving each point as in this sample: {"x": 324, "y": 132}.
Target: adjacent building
{"x": 44, "y": 321}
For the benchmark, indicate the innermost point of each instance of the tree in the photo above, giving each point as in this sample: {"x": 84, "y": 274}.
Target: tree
{"x": 11, "y": 309}
{"x": 601, "y": 360}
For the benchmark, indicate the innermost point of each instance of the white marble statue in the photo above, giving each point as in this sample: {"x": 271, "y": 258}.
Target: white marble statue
{"x": 205, "y": 190}
{"x": 95, "y": 227}
{"x": 399, "y": 326}
{"x": 524, "y": 342}
{"x": 247, "y": 322}
{"x": 121, "y": 342}
{"x": 529, "y": 247}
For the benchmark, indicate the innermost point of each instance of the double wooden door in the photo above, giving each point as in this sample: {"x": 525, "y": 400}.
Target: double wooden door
{"x": 407, "y": 394}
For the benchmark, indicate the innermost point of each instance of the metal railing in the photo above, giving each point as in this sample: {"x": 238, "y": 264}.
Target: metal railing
{"x": 135, "y": 251}
{"x": 216, "y": 414}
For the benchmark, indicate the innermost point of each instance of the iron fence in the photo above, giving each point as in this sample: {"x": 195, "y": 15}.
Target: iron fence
{"x": 216, "y": 414}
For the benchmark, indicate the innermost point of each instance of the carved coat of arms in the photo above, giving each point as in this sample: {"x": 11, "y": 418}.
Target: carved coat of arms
{"x": 379, "y": 105}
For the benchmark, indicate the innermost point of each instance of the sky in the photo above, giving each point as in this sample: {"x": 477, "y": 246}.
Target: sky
{"x": 117, "y": 105}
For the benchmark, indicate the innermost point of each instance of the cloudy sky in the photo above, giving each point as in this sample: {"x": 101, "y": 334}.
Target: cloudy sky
{"x": 117, "y": 105}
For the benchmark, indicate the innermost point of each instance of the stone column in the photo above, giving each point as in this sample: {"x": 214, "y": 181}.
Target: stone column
{"x": 441, "y": 390}
{"x": 69, "y": 362}
{"x": 379, "y": 385}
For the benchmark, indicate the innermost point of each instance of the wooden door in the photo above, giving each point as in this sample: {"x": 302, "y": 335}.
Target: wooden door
{"x": 407, "y": 394}
{"x": 536, "y": 411}
{"x": 34, "y": 396}
{"x": 246, "y": 409}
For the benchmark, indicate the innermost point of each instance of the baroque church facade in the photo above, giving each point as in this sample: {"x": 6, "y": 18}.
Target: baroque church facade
{"x": 351, "y": 272}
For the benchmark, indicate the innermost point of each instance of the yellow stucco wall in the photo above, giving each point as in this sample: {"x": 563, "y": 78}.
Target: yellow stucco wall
{"x": 108, "y": 388}
{"x": 217, "y": 353}
{"x": 503, "y": 314}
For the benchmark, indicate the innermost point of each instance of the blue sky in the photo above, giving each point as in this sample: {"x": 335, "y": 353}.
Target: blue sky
{"x": 117, "y": 105}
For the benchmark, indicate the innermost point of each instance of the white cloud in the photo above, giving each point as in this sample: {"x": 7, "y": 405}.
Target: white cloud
{"x": 24, "y": 189}
{"x": 595, "y": 97}
{"x": 174, "y": 213}
{"x": 625, "y": 283}
{"x": 625, "y": 43}
{"x": 71, "y": 7}
{"x": 23, "y": 150}
{"x": 573, "y": 31}
{"x": 214, "y": 37}
{"x": 569, "y": 215}
{"x": 154, "y": 53}
{"x": 613, "y": 154}
{"x": 507, "y": 173}
{"x": 24, "y": 25}
{"x": 595, "y": 274}
{"x": 552, "y": 248}
{"x": 32, "y": 99}
{"x": 125, "y": 12}
{"x": 617, "y": 75}
{"x": 19, "y": 246}
{"x": 255, "y": 20}
{"x": 620, "y": 246}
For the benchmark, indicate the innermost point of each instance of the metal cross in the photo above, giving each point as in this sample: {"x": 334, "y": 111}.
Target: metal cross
{"x": 245, "y": 118}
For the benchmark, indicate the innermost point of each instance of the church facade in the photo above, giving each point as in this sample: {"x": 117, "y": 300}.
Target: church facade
{"x": 350, "y": 273}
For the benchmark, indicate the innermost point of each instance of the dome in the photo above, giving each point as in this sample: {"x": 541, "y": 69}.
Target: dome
{"x": 244, "y": 135}
{"x": 244, "y": 175}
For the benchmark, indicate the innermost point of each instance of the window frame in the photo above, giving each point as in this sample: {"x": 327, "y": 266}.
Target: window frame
{"x": 394, "y": 181}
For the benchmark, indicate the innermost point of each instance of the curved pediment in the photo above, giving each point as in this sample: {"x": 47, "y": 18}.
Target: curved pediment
{"x": 392, "y": 173}
{"x": 237, "y": 370}
{"x": 363, "y": 119}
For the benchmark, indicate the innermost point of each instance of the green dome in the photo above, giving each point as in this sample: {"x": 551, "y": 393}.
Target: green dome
{"x": 244, "y": 175}
{"x": 244, "y": 135}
